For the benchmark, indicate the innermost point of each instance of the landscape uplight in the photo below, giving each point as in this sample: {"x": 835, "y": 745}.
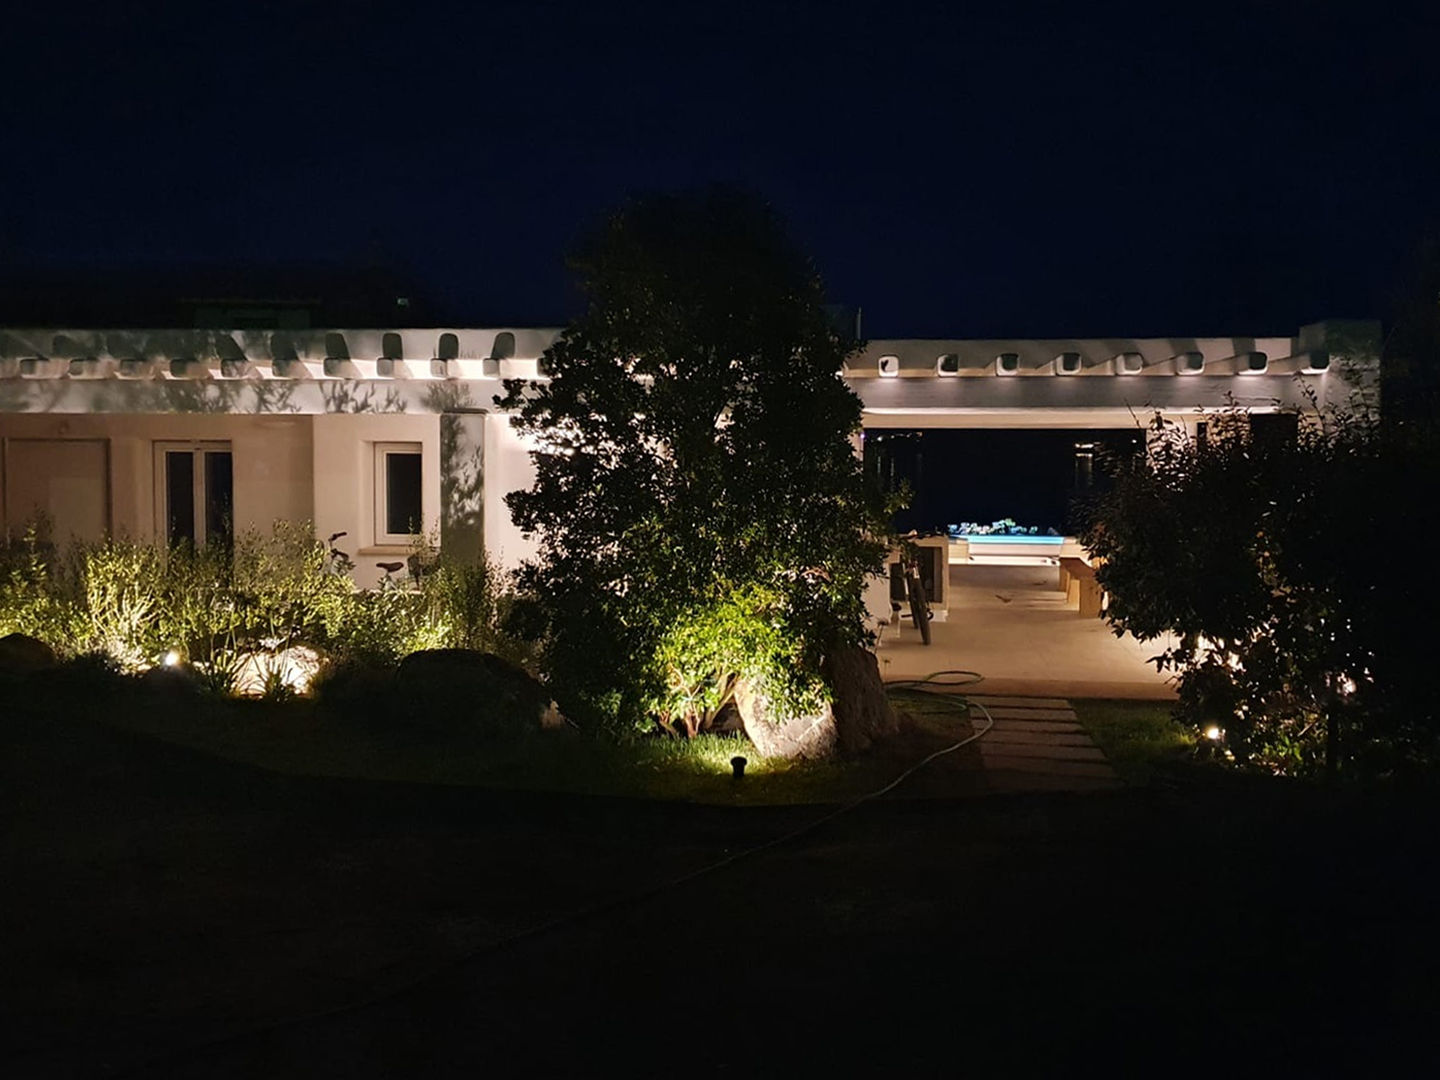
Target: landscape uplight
{"x": 1213, "y": 733}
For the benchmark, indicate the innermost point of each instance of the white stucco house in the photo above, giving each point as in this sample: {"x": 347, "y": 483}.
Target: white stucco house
{"x": 385, "y": 433}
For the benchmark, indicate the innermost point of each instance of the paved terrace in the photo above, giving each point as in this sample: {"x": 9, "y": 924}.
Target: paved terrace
{"x": 1011, "y": 624}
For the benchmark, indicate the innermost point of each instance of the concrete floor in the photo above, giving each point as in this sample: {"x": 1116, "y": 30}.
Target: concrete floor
{"x": 1011, "y": 624}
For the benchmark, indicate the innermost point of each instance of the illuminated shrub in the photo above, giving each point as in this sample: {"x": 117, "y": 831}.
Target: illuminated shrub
{"x": 227, "y": 612}
{"x": 710, "y": 649}
{"x": 36, "y": 598}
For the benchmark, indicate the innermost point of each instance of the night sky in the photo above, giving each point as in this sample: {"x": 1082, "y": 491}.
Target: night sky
{"x": 1011, "y": 172}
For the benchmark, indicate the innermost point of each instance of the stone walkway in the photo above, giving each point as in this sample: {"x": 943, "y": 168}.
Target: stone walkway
{"x": 1037, "y": 744}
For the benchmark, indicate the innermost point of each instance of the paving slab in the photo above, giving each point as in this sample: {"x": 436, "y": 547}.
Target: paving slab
{"x": 1006, "y": 713}
{"x": 992, "y": 700}
{"x": 1055, "y": 726}
{"x": 1037, "y": 744}
{"x": 999, "y": 735}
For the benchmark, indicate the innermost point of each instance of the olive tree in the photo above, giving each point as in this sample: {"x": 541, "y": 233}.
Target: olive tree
{"x": 699, "y": 506}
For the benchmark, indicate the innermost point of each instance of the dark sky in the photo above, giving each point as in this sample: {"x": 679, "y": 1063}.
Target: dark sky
{"x": 1011, "y": 171}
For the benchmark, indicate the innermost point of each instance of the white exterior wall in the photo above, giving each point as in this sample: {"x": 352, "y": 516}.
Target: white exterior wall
{"x": 507, "y": 468}
{"x": 303, "y": 410}
{"x": 273, "y": 478}
{"x": 344, "y": 471}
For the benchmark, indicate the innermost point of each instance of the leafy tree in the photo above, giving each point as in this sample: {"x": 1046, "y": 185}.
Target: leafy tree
{"x": 1280, "y": 567}
{"x": 699, "y": 504}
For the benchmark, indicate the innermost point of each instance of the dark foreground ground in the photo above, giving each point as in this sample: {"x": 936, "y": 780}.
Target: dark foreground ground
{"x": 165, "y": 913}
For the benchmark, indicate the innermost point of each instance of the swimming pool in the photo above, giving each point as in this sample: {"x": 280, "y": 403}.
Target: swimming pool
{"x": 1001, "y": 538}
{"x": 1014, "y": 550}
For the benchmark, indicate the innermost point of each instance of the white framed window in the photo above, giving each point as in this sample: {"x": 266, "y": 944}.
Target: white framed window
{"x": 194, "y": 493}
{"x": 399, "y": 505}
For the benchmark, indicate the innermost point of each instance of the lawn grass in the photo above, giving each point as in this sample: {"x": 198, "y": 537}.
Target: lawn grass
{"x": 1137, "y": 736}
{"x": 305, "y": 739}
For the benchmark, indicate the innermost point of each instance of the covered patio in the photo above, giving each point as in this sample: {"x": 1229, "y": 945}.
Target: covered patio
{"x": 1012, "y": 625}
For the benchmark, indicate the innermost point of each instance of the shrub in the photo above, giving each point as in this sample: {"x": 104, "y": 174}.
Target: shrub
{"x": 356, "y": 689}
{"x": 219, "y": 606}
{"x": 461, "y": 690}
{"x": 287, "y": 587}
{"x": 37, "y": 597}
{"x": 711, "y": 647}
{"x": 1274, "y": 563}
{"x": 90, "y": 672}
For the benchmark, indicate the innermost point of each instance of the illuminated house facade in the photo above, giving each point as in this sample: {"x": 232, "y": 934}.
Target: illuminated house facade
{"x": 381, "y": 434}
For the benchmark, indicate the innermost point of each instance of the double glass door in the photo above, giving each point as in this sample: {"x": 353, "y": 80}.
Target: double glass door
{"x": 195, "y": 484}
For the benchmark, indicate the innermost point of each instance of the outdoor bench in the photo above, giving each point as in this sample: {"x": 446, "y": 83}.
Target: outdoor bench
{"x": 1077, "y": 578}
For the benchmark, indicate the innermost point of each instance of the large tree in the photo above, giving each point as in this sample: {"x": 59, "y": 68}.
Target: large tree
{"x": 1287, "y": 569}
{"x": 701, "y": 512}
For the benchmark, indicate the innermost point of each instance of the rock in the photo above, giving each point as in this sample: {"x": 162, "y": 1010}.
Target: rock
{"x": 456, "y": 688}
{"x": 21, "y": 654}
{"x": 799, "y": 737}
{"x": 862, "y": 712}
{"x": 357, "y": 691}
{"x": 293, "y": 668}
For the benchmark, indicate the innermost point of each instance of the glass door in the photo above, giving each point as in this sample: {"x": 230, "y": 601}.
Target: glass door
{"x": 195, "y": 488}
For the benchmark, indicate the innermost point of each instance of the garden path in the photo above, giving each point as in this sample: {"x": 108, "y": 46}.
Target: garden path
{"x": 1037, "y": 744}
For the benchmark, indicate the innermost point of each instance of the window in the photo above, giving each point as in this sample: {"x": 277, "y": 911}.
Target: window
{"x": 399, "y": 506}
{"x": 195, "y": 493}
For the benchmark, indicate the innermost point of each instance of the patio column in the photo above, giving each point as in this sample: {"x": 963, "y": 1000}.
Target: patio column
{"x": 462, "y": 485}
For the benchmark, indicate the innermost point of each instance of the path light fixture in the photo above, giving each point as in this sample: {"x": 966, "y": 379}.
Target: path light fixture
{"x": 737, "y": 764}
